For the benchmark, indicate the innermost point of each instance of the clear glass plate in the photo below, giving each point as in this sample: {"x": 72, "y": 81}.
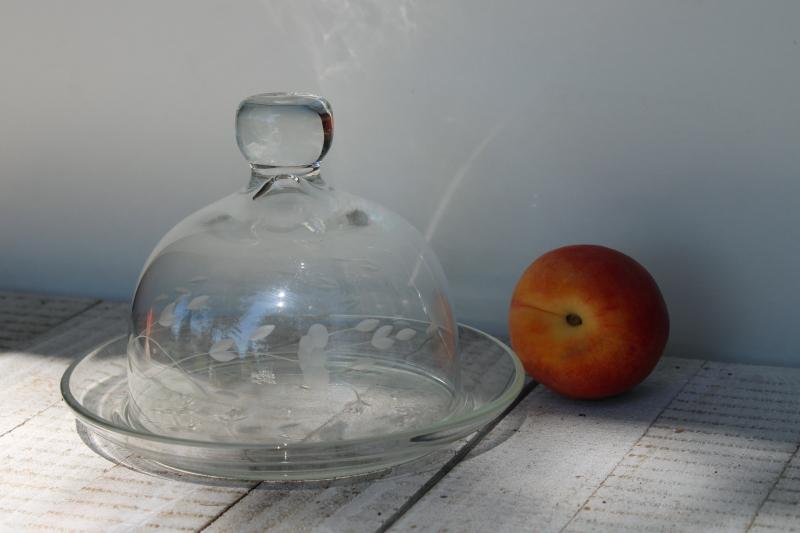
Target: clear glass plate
{"x": 329, "y": 443}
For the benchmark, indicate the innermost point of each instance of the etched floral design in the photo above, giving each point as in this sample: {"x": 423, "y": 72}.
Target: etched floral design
{"x": 262, "y": 332}
{"x": 310, "y": 351}
{"x": 405, "y": 334}
{"x": 367, "y": 325}
{"x": 311, "y": 356}
{"x": 380, "y": 339}
{"x": 221, "y": 350}
{"x": 198, "y": 303}
{"x": 167, "y": 316}
{"x": 263, "y": 377}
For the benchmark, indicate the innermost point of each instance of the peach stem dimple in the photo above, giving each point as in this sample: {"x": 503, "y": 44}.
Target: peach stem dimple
{"x": 574, "y": 320}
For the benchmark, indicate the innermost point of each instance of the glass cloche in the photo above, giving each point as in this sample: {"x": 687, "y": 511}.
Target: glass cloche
{"x": 291, "y": 311}
{"x": 291, "y": 330}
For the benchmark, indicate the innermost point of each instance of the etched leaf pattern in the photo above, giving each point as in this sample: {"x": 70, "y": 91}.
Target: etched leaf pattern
{"x": 311, "y": 358}
{"x": 310, "y": 347}
{"x": 198, "y": 303}
{"x": 318, "y": 335}
{"x": 382, "y": 332}
{"x": 167, "y": 316}
{"x": 221, "y": 350}
{"x": 405, "y": 334}
{"x": 367, "y": 325}
{"x": 382, "y": 343}
{"x": 262, "y": 332}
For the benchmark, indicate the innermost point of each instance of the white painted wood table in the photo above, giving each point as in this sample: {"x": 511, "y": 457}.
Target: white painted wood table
{"x": 700, "y": 446}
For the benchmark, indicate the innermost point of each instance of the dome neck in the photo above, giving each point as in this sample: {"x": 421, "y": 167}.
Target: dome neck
{"x": 264, "y": 179}
{"x": 268, "y": 171}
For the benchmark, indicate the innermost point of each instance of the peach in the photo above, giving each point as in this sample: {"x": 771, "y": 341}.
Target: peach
{"x": 588, "y": 321}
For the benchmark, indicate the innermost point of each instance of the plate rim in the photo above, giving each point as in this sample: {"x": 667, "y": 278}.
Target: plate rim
{"x": 497, "y": 406}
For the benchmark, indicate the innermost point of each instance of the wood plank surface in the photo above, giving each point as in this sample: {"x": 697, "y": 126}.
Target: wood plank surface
{"x": 23, "y": 317}
{"x": 29, "y": 378}
{"x": 558, "y": 454}
{"x": 699, "y": 446}
{"x": 714, "y": 448}
{"x": 710, "y": 459}
{"x": 351, "y": 505}
{"x": 51, "y": 480}
{"x": 781, "y": 509}
{"x": 346, "y": 506}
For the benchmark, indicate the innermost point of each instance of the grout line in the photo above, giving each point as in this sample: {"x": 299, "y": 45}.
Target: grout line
{"x": 31, "y": 342}
{"x": 91, "y": 305}
{"x": 31, "y": 417}
{"x": 600, "y": 485}
{"x": 23, "y": 341}
{"x": 457, "y": 458}
{"x": 228, "y": 507}
{"x": 772, "y": 488}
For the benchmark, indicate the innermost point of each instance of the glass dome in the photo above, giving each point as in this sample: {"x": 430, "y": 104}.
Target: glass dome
{"x": 290, "y": 311}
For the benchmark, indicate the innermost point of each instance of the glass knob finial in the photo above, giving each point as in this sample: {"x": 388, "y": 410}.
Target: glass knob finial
{"x": 278, "y": 130}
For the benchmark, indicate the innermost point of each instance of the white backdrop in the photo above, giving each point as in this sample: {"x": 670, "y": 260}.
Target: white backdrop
{"x": 669, "y": 130}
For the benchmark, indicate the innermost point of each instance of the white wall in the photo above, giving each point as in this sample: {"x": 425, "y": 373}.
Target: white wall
{"x": 668, "y": 130}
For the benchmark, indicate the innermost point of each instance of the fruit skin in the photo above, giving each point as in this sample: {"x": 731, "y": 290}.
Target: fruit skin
{"x": 624, "y": 324}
